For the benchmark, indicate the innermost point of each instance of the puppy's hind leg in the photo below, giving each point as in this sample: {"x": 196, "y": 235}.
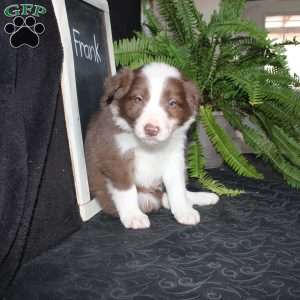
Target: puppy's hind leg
{"x": 126, "y": 202}
{"x": 149, "y": 199}
{"x": 148, "y": 203}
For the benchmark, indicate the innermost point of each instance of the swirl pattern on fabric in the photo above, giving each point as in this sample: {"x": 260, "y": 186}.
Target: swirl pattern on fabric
{"x": 247, "y": 247}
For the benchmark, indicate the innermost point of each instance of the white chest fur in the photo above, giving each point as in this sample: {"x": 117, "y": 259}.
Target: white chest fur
{"x": 149, "y": 166}
{"x": 150, "y": 162}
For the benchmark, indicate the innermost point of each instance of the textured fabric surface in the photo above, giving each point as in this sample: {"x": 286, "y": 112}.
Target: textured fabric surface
{"x": 56, "y": 214}
{"x": 247, "y": 247}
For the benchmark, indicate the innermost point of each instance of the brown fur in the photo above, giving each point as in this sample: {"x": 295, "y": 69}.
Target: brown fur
{"x": 117, "y": 86}
{"x": 130, "y": 108}
{"x": 102, "y": 157}
{"x": 175, "y": 90}
{"x": 103, "y": 160}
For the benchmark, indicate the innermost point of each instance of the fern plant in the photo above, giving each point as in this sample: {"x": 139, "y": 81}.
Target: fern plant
{"x": 239, "y": 72}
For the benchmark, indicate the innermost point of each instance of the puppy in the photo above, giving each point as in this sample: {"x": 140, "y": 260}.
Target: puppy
{"x": 135, "y": 146}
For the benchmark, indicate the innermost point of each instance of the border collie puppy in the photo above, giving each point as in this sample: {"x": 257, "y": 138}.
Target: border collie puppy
{"x": 135, "y": 146}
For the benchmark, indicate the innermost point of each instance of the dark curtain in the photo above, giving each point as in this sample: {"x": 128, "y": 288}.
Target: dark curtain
{"x": 37, "y": 200}
{"x": 125, "y": 18}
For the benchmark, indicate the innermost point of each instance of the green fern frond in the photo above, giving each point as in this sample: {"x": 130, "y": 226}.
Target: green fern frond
{"x": 186, "y": 18}
{"x": 230, "y": 10}
{"x": 168, "y": 10}
{"x": 265, "y": 148}
{"x": 127, "y": 51}
{"x": 269, "y": 152}
{"x": 232, "y": 28}
{"x": 197, "y": 18}
{"x": 291, "y": 142}
{"x": 252, "y": 87}
{"x": 191, "y": 20}
{"x": 213, "y": 61}
{"x": 288, "y": 99}
{"x": 288, "y": 146}
{"x": 195, "y": 160}
{"x": 225, "y": 146}
{"x": 152, "y": 22}
{"x": 278, "y": 115}
{"x": 217, "y": 187}
{"x": 196, "y": 169}
{"x": 278, "y": 77}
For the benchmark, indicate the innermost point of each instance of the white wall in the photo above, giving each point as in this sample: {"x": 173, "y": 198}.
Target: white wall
{"x": 257, "y": 10}
{"x": 254, "y": 10}
{"x": 206, "y": 7}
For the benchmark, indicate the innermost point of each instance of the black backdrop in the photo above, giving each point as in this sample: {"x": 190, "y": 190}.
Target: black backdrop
{"x": 125, "y": 17}
{"x": 38, "y": 206}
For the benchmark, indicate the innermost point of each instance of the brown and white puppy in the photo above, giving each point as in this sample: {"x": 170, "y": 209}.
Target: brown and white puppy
{"x": 135, "y": 146}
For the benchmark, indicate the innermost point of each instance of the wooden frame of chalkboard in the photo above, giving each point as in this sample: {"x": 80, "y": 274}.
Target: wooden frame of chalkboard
{"x": 88, "y": 207}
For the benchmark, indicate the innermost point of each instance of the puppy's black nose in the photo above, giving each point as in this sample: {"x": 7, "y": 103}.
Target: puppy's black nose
{"x": 151, "y": 130}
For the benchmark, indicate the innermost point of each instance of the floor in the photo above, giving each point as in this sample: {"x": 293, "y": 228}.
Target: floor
{"x": 247, "y": 247}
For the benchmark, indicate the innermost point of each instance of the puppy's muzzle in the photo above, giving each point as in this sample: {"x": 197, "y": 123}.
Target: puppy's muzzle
{"x": 151, "y": 130}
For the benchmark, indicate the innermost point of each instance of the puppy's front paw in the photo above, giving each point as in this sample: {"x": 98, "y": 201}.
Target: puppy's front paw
{"x": 136, "y": 220}
{"x": 188, "y": 216}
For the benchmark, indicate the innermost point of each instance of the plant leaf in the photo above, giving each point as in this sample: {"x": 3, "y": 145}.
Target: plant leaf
{"x": 225, "y": 146}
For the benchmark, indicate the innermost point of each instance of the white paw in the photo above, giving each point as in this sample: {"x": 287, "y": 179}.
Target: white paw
{"x": 202, "y": 198}
{"x": 210, "y": 198}
{"x": 136, "y": 220}
{"x": 188, "y": 216}
{"x": 165, "y": 201}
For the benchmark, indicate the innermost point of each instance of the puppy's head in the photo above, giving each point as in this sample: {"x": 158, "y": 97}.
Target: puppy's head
{"x": 153, "y": 101}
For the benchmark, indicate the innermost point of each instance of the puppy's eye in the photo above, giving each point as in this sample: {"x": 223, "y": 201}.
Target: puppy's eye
{"x": 138, "y": 99}
{"x": 172, "y": 103}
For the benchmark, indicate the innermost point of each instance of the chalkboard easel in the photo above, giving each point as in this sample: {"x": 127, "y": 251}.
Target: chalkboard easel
{"x": 85, "y": 31}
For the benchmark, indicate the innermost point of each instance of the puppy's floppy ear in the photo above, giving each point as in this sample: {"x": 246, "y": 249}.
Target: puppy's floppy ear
{"x": 117, "y": 86}
{"x": 192, "y": 94}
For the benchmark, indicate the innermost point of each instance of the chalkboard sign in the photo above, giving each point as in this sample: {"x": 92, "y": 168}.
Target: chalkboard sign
{"x": 88, "y": 59}
{"x": 90, "y": 52}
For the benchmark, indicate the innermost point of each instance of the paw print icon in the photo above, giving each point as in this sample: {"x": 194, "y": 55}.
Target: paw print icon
{"x": 24, "y": 32}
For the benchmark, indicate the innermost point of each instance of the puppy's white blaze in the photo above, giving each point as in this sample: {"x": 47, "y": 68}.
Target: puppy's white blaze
{"x": 126, "y": 202}
{"x": 160, "y": 71}
{"x": 120, "y": 122}
{"x": 156, "y": 75}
